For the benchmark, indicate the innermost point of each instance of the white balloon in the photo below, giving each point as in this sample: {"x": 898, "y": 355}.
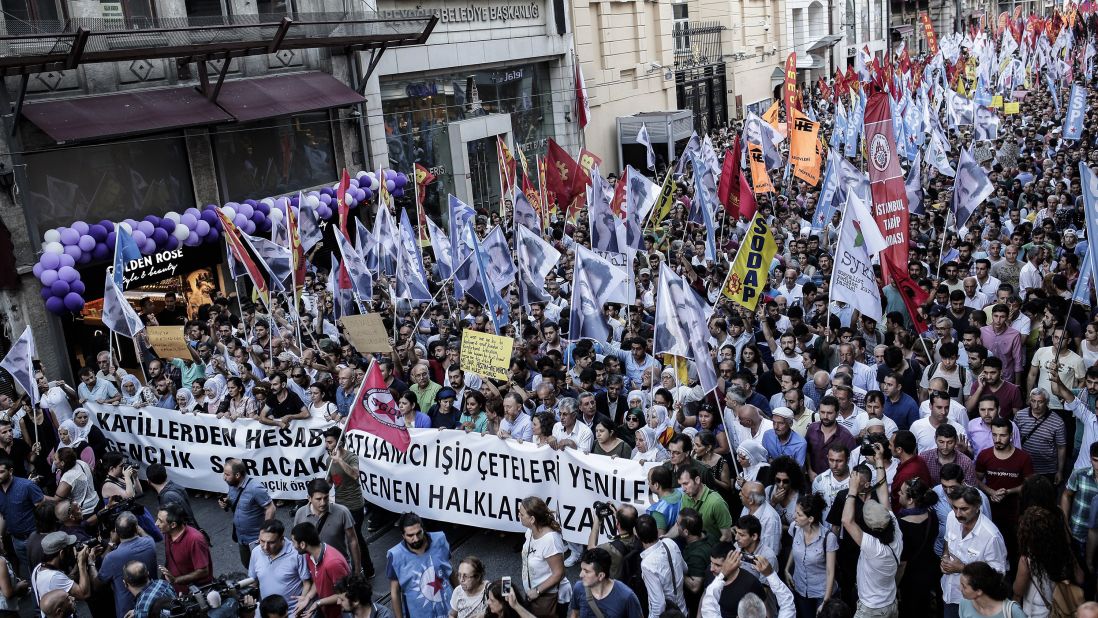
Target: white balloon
{"x": 268, "y": 201}
{"x": 181, "y": 231}
{"x": 276, "y": 215}
{"x": 230, "y": 212}
{"x": 53, "y": 247}
{"x": 52, "y": 236}
{"x": 174, "y": 216}
{"x": 312, "y": 200}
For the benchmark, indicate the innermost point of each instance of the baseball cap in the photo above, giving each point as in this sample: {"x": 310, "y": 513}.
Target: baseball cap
{"x": 54, "y": 542}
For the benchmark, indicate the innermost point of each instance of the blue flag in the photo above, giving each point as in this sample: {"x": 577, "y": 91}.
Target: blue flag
{"x": 125, "y": 250}
{"x": 1077, "y": 106}
{"x": 460, "y": 215}
{"x": 825, "y": 206}
{"x": 703, "y": 200}
{"x": 1081, "y": 294}
{"x": 1089, "y": 183}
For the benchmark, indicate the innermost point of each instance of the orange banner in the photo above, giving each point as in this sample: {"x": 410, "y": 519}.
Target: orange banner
{"x": 760, "y": 180}
{"x": 802, "y": 148}
{"x": 931, "y": 38}
{"x": 789, "y": 92}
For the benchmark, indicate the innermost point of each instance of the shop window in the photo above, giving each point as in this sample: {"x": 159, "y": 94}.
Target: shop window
{"x": 127, "y": 179}
{"x": 204, "y": 12}
{"x": 273, "y": 10}
{"x": 272, "y": 157}
{"x": 17, "y": 14}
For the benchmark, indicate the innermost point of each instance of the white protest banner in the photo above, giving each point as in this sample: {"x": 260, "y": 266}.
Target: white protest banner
{"x": 478, "y": 481}
{"x": 194, "y": 447}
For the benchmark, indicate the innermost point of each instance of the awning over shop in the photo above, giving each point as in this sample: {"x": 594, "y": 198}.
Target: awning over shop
{"x": 825, "y": 42}
{"x": 124, "y": 114}
{"x": 283, "y": 95}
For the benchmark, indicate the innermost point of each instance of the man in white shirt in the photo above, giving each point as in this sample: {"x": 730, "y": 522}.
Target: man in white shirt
{"x": 836, "y": 478}
{"x": 662, "y": 568}
{"x": 753, "y": 497}
{"x": 880, "y": 547}
{"x": 925, "y": 428}
{"x": 749, "y": 424}
{"x": 568, "y": 432}
{"x": 970, "y": 537}
{"x": 515, "y": 422}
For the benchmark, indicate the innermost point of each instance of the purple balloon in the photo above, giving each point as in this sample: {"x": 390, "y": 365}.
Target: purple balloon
{"x": 260, "y": 219}
{"x": 107, "y": 224}
{"x": 77, "y": 286}
{"x": 252, "y": 203}
{"x": 55, "y": 305}
{"x": 398, "y": 192}
{"x": 73, "y": 302}
{"x": 66, "y": 260}
{"x": 59, "y": 288}
{"x": 246, "y": 210}
{"x": 324, "y": 211}
{"x": 209, "y": 207}
{"x": 173, "y": 243}
{"x": 325, "y": 199}
{"x": 193, "y": 239}
{"x": 160, "y": 236}
{"x": 153, "y": 219}
{"x": 210, "y": 216}
{"x": 110, "y": 239}
{"x": 149, "y": 247}
{"x": 67, "y": 274}
{"x": 98, "y": 232}
{"x": 69, "y": 236}
{"x": 249, "y": 227}
{"x": 213, "y": 236}
{"x": 48, "y": 277}
{"x": 328, "y": 191}
{"x": 240, "y": 220}
{"x": 368, "y": 193}
{"x": 81, "y": 227}
{"x": 74, "y": 251}
{"x": 167, "y": 225}
{"x": 202, "y": 227}
{"x": 139, "y": 237}
{"x": 37, "y": 269}
{"x": 50, "y": 261}
{"x": 100, "y": 252}
{"x": 145, "y": 228}
{"x": 46, "y": 293}
{"x": 189, "y": 220}
{"x": 193, "y": 212}
{"x": 84, "y": 258}
{"x": 86, "y": 243}
{"x": 390, "y": 184}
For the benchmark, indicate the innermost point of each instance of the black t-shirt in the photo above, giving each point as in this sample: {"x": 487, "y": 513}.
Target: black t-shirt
{"x": 848, "y": 549}
{"x": 20, "y": 452}
{"x": 739, "y": 588}
{"x": 290, "y": 406}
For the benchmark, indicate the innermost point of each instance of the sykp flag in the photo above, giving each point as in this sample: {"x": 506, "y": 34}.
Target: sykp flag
{"x": 1089, "y": 184}
{"x": 586, "y": 319}
{"x": 365, "y": 244}
{"x": 644, "y": 140}
{"x": 1077, "y": 106}
{"x": 385, "y": 237}
{"x": 937, "y": 156}
{"x": 19, "y": 362}
{"x": 118, "y": 315}
{"x": 125, "y": 250}
{"x": 748, "y": 276}
{"x": 703, "y": 200}
{"x": 461, "y": 214}
{"x": 536, "y": 259}
{"x": 640, "y": 198}
{"x": 914, "y": 186}
{"x": 970, "y": 188}
{"x": 852, "y": 279}
{"x": 411, "y": 282}
{"x": 607, "y": 231}
{"x": 1085, "y": 283}
{"x": 440, "y": 245}
{"x": 374, "y": 411}
{"x": 339, "y": 282}
{"x": 361, "y": 279}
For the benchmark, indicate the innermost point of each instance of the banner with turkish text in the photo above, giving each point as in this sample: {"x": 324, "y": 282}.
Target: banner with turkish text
{"x": 886, "y": 180}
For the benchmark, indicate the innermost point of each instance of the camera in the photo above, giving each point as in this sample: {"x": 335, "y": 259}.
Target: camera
{"x": 748, "y": 558}
{"x": 90, "y": 544}
{"x": 223, "y": 597}
{"x": 867, "y": 448}
{"x": 603, "y": 510}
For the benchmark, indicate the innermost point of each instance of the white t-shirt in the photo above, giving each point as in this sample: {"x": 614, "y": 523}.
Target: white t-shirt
{"x": 925, "y": 433}
{"x": 322, "y": 411}
{"x": 466, "y": 606}
{"x": 877, "y": 564}
{"x": 79, "y": 477}
{"x": 535, "y": 560}
{"x": 57, "y": 402}
{"x": 44, "y": 580}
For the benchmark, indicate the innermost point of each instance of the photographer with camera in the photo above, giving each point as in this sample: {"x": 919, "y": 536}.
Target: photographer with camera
{"x": 624, "y": 543}
{"x": 127, "y": 544}
{"x": 62, "y": 559}
{"x": 145, "y": 590}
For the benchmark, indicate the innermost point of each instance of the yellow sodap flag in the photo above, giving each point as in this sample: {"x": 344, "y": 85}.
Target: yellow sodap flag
{"x": 664, "y": 202}
{"x": 745, "y": 281}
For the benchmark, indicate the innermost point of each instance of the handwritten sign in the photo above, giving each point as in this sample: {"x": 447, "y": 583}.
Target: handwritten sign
{"x": 169, "y": 342}
{"x": 485, "y": 354}
{"x": 367, "y": 333}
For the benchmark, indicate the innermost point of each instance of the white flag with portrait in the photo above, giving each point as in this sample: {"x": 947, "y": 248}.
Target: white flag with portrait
{"x": 644, "y": 140}
{"x": 19, "y": 362}
{"x": 852, "y": 279}
{"x": 536, "y": 259}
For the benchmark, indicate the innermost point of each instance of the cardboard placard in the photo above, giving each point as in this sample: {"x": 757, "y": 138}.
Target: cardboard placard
{"x": 1011, "y": 107}
{"x": 485, "y": 354}
{"x": 169, "y": 342}
{"x": 367, "y": 333}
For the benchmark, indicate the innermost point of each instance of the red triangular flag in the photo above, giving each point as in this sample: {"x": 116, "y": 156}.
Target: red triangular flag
{"x": 912, "y": 295}
{"x": 747, "y": 198}
{"x": 375, "y": 412}
{"x": 341, "y": 201}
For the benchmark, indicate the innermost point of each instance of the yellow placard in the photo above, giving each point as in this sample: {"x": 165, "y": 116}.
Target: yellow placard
{"x": 366, "y": 333}
{"x": 485, "y": 354}
{"x": 997, "y": 101}
{"x": 168, "y": 342}
{"x": 747, "y": 278}
{"x": 1011, "y": 107}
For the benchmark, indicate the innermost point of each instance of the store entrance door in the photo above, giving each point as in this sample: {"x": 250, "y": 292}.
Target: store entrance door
{"x": 484, "y": 173}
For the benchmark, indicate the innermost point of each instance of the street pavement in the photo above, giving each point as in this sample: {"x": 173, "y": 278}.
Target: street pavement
{"x": 498, "y": 551}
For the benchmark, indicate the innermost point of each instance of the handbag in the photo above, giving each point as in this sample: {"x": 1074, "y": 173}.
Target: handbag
{"x": 1067, "y": 596}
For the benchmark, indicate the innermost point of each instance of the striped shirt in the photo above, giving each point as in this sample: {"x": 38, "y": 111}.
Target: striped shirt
{"x": 1041, "y": 438}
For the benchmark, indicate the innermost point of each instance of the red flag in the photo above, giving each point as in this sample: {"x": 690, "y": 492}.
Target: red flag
{"x": 297, "y": 252}
{"x": 728, "y": 191}
{"x": 375, "y": 412}
{"x": 747, "y": 198}
{"x": 507, "y": 164}
{"x": 564, "y": 178}
{"x": 341, "y": 201}
{"x": 619, "y": 195}
{"x": 583, "y": 109}
{"x": 886, "y": 181}
{"x": 246, "y": 256}
{"x": 913, "y": 295}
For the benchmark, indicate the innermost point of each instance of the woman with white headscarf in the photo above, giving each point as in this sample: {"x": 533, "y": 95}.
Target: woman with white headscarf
{"x": 214, "y": 389}
{"x": 649, "y": 447}
{"x": 661, "y": 423}
{"x": 752, "y": 458}
{"x": 184, "y": 401}
{"x": 638, "y": 400}
{"x": 133, "y": 394}
{"x": 70, "y": 435}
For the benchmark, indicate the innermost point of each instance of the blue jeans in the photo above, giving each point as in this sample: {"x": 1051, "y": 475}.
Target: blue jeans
{"x": 21, "y": 554}
{"x": 806, "y": 607}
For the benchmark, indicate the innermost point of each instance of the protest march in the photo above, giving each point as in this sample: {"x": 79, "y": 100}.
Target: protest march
{"x": 836, "y": 359}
